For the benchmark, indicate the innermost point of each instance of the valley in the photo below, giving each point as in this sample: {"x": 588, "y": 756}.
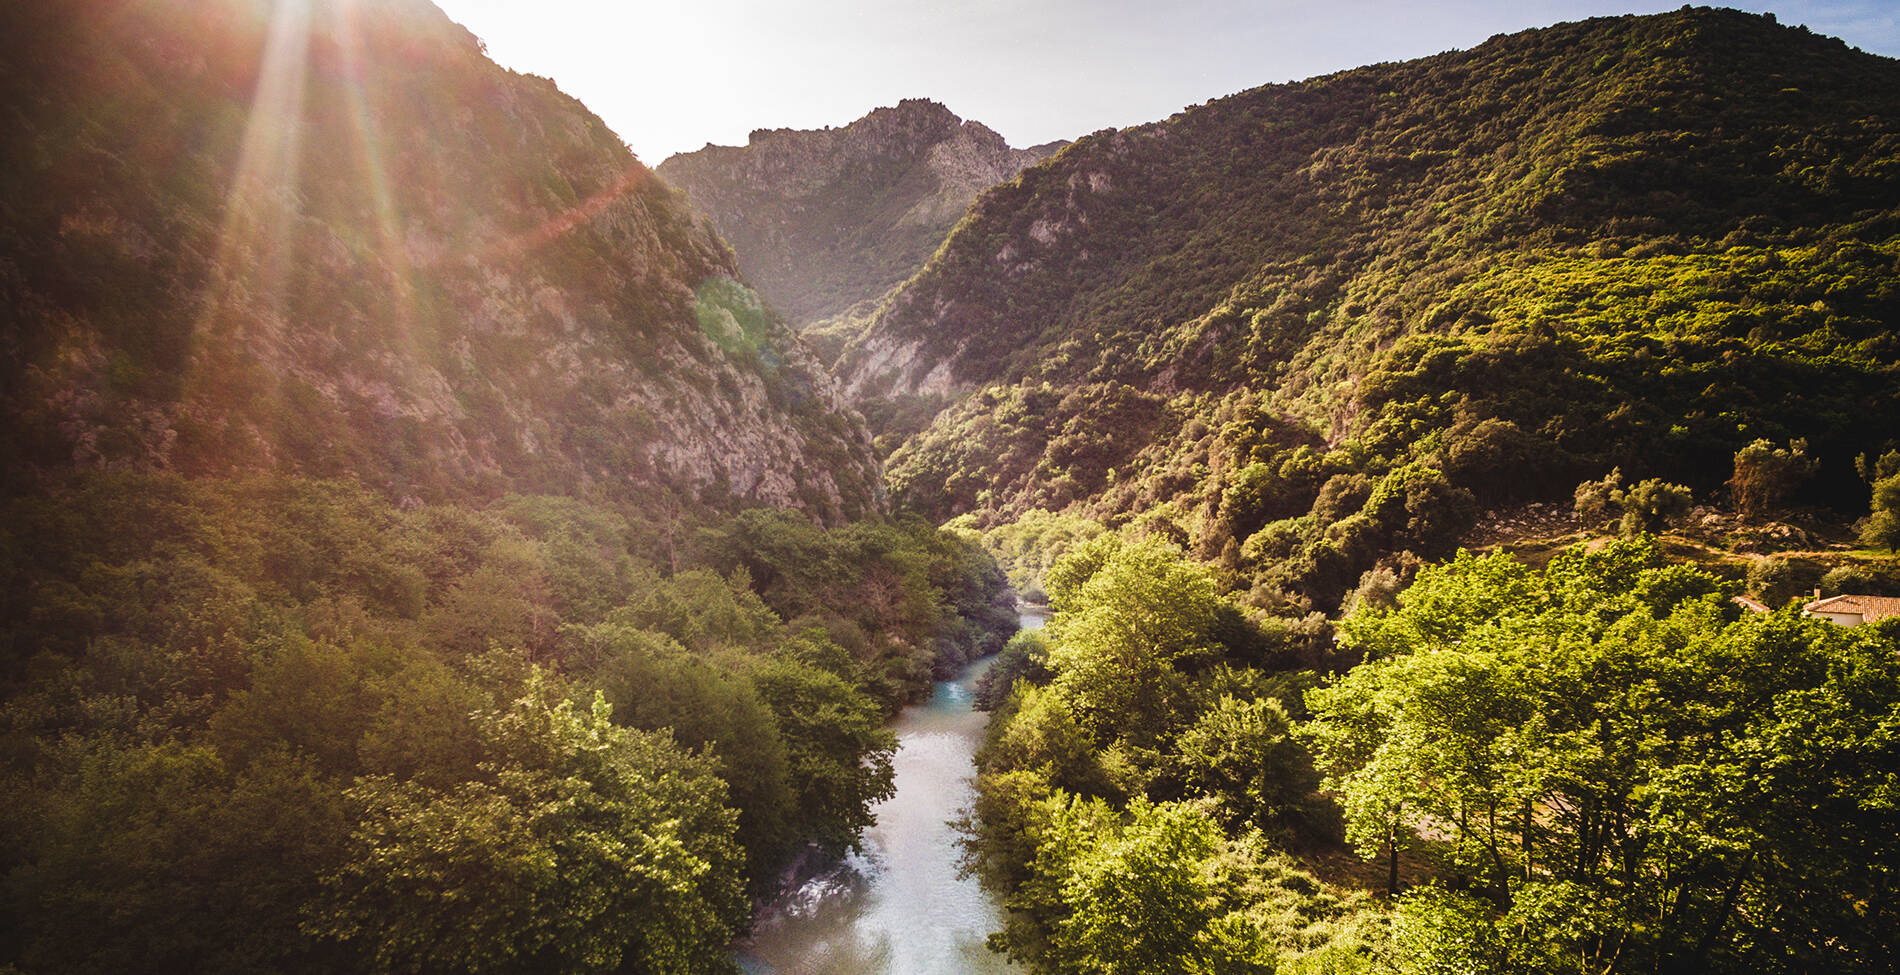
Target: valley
{"x": 1362, "y": 524}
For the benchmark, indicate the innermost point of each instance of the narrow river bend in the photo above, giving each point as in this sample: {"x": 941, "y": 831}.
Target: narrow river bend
{"x": 900, "y": 908}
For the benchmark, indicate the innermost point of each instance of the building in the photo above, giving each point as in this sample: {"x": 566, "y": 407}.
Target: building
{"x": 1852, "y": 610}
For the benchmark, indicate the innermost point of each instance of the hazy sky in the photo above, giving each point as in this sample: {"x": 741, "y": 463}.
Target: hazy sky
{"x": 673, "y": 75}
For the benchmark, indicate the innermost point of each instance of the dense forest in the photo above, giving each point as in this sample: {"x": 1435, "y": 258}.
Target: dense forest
{"x": 276, "y": 724}
{"x": 1599, "y": 765}
{"x": 419, "y": 551}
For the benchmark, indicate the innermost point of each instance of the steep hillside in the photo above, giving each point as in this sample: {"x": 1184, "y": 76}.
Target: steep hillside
{"x": 334, "y": 239}
{"x": 1425, "y": 287}
{"x": 398, "y": 569}
{"x": 825, "y": 220}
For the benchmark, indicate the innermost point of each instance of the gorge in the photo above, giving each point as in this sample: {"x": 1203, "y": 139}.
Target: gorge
{"x": 432, "y": 541}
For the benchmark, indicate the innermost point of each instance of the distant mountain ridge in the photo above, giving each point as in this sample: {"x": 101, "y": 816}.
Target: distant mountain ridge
{"x": 825, "y": 219}
{"x": 336, "y": 240}
{"x": 1637, "y": 241}
{"x": 1544, "y": 137}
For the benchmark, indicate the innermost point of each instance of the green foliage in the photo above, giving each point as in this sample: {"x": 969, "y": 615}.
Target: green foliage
{"x": 1646, "y": 506}
{"x": 1776, "y": 582}
{"x": 1024, "y": 658}
{"x": 730, "y": 314}
{"x": 1121, "y": 632}
{"x": 1882, "y": 529}
{"x": 910, "y": 599}
{"x": 1855, "y": 579}
{"x": 1606, "y": 763}
{"x": 1649, "y": 505}
{"x": 628, "y": 834}
{"x": 1141, "y": 898}
{"x": 1121, "y": 799}
{"x": 1026, "y": 547}
{"x": 838, "y": 753}
{"x": 1026, "y": 447}
{"x": 1619, "y": 243}
{"x": 1596, "y": 502}
{"x": 652, "y": 683}
{"x": 1766, "y": 475}
{"x": 162, "y": 856}
{"x": 1241, "y": 754}
{"x": 219, "y": 692}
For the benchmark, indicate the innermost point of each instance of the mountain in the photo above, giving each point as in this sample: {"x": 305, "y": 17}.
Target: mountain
{"x": 336, "y": 240}
{"x": 1282, "y": 320}
{"x": 825, "y": 220}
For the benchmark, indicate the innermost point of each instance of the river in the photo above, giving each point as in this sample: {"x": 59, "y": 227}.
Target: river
{"x": 899, "y": 908}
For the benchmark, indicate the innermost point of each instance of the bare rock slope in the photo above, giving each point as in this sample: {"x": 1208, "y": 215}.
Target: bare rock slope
{"x": 825, "y": 219}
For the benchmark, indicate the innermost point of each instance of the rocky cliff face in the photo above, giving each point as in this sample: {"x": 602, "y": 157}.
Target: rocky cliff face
{"x": 334, "y": 239}
{"x": 822, "y": 220}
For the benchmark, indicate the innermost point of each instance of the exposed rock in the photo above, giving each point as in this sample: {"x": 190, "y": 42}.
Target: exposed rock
{"x": 825, "y": 219}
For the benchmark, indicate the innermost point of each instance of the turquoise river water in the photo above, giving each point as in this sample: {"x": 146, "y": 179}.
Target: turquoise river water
{"x": 900, "y": 908}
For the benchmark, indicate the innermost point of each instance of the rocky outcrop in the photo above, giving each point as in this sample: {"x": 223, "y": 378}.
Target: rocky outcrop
{"x": 825, "y": 219}
{"x": 334, "y": 239}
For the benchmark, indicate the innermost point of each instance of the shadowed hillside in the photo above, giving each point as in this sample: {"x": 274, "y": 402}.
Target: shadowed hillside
{"x": 340, "y": 241}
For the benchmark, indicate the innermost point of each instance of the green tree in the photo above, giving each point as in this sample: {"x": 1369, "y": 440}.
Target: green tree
{"x": 1766, "y": 475}
{"x": 1777, "y": 581}
{"x": 1645, "y": 506}
{"x": 654, "y": 684}
{"x": 1595, "y": 501}
{"x": 1649, "y": 505}
{"x": 162, "y": 858}
{"x": 1039, "y": 733}
{"x": 1242, "y": 755}
{"x": 1882, "y": 529}
{"x": 838, "y": 753}
{"x": 1024, "y": 658}
{"x": 1608, "y": 763}
{"x": 1120, "y": 629}
{"x": 584, "y": 847}
{"x": 1145, "y": 897}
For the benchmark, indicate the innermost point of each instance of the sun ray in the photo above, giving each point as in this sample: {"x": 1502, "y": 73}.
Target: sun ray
{"x": 355, "y": 81}
{"x": 255, "y": 229}
{"x": 242, "y": 305}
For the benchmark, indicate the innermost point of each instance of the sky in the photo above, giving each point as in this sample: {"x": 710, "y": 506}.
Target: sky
{"x": 674, "y": 75}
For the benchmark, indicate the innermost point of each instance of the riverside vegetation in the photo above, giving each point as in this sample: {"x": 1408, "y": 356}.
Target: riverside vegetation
{"x": 418, "y": 550}
{"x": 1600, "y": 765}
{"x": 274, "y": 724}
{"x": 1214, "y": 380}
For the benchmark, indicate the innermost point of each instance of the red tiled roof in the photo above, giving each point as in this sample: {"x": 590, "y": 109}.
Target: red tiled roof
{"x": 1870, "y": 608}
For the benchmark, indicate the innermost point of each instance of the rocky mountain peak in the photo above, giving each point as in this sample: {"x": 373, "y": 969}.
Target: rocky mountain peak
{"x": 825, "y": 219}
